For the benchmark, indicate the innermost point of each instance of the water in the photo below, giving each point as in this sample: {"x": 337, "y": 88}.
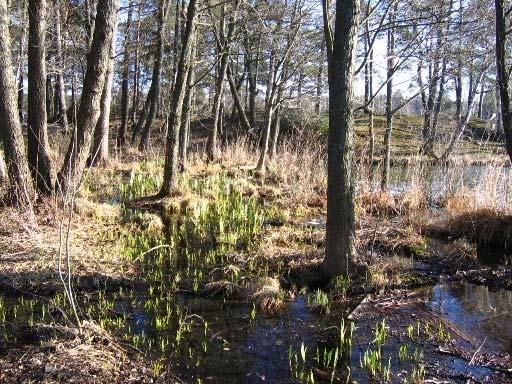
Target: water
{"x": 238, "y": 348}
{"x": 484, "y": 315}
{"x": 441, "y": 181}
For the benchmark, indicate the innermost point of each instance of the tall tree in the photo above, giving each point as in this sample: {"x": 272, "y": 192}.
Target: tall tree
{"x": 100, "y": 145}
{"x": 98, "y": 61}
{"x": 61, "y": 94}
{"x": 174, "y": 120}
{"x": 503, "y": 71}
{"x": 125, "y": 86}
{"x": 38, "y": 146}
{"x": 154, "y": 92}
{"x": 340, "y": 227}
{"x": 21, "y": 188}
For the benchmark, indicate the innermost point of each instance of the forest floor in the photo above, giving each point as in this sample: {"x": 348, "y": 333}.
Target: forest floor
{"x": 237, "y": 242}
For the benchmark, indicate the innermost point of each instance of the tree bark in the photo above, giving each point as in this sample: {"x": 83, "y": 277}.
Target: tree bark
{"x": 20, "y": 188}
{"x": 61, "y": 93}
{"x": 389, "y": 101}
{"x": 98, "y": 61}
{"x": 178, "y": 95}
{"x": 503, "y": 75}
{"x": 38, "y": 146}
{"x": 238, "y": 103}
{"x": 99, "y": 153}
{"x": 125, "y": 87}
{"x": 187, "y": 114}
{"x": 340, "y": 226}
{"x": 212, "y": 146}
{"x": 156, "y": 78}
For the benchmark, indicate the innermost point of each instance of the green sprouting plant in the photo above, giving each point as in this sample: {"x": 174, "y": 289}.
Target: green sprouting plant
{"x": 252, "y": 313}
{"x": 402, "y": 352}
{"x": 380, "y": 334}
{"x": 346, "y": 335}
{"x": 417, "y": 354}
{"x": 319, "y": 301}
{"x": 341, "y": 284}
{"x": 140, "y": 184}
{"x": 410, "y": 331}
{"x": 156, "y": 368}
{"x": 303, "y": 350}
{"x": 442, "y": 335}
{"x": 418, "y": 374}
{"x": 371, "y": 361}
{"x": 386, "y": 372}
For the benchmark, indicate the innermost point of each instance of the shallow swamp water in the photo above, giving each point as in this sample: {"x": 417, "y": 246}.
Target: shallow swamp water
{"x": 197, "y": 310}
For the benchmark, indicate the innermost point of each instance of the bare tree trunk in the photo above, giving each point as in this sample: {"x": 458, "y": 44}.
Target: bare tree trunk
{"x": 462, "y": 124}
{"x": 340, "y": 226}
{"x": 3, "y": 168}
{"x": 369, "y": 100}
{"x": 481, "y": 100}
{"x": 21, "y": 60}
{"x": 20, "y": 188}
{"x": 61, "y": 93}
{"x": 276, "y": 127}
{"x": 319, "y": 78}
{"x": 212, "y": 146}
{"x": 100, "y": 145}
{"x": 38, "y": 146}
{"x": 136, "y": 74}
{"x": 178, "y": 95}
{"x": 252, "y": 77}
{"x": 234, "y": 88}
{"x": 125, "y": 90}
{"x": 156, "y": 78}
{"x": 389, "y": 101}
{"x": 187, "y": 113}
{"x": 49, "y": 97}
{"x": 98, "y": 61}
{"x": 503, "y": 74}
{"x": 269, "y": 112}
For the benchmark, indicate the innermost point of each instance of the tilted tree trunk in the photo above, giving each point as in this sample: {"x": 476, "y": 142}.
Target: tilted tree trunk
{"x": 99, "y": 153}
{"x": 234, "y": 88}
{"x": 178, "y": 95}
{"x": 37, "y": 133}
{"x": 340, "y": 226}
{"x": 98, "y": 61}
{"x": 125, "y": 86}
{"x": 156, "y": 78}
{"x": 21, "y": 189}
{"x": 463, "y": 123}
{"x": 212, "y": 146}
{"x": 61, "y": 93}
{"x": 503, "y": 74}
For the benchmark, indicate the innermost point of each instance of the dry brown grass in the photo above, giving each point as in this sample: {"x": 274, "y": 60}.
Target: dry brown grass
{"x": 28, "y": 253}
{"x": 486, "y": 226}
{"x": 65, "y": 356}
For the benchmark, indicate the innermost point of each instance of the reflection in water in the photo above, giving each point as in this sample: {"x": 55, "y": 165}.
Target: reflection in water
{"x": 479, "y": 312}
{"x": 489, "y": 182}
